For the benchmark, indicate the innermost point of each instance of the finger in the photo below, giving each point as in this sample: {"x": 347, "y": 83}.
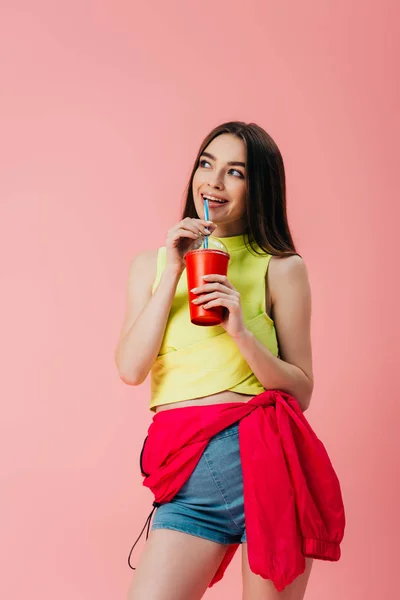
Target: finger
{"x": 212, "y": 287}
{"x": 227, "y": 301}
{"x": 201, "y": 225}
{"x": 215, "y": 277}
{"x": 206, "y": 223}
{"x": 180, "y": 232}
{"x": 183, "y": 234}
{"x": 206, "y": 227}
{"x": 189, "y": 227}
{"x": 209, "y": 297}
{"x": 200, "y": 230}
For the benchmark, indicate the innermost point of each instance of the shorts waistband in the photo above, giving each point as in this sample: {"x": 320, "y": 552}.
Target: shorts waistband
{"x": 230, "y": 430}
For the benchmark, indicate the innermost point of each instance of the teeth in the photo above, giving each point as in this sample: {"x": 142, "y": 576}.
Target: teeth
{"x": 214, "y": 199}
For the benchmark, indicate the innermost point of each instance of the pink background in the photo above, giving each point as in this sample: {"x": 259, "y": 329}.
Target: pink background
{"x": 102, "y": 108}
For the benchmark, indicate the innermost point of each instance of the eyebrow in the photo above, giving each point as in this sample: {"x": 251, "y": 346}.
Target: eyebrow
{"x": 232, "y": 163}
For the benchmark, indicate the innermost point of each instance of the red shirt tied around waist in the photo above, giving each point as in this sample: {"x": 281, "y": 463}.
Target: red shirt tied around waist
{"x": 292, "y": 499}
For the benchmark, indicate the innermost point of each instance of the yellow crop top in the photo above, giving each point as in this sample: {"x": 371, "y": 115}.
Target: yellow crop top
{"x": 196, "y": 361}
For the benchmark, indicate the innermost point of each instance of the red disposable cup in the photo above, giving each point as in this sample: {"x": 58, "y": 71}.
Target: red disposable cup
{"x": 204, "y": 262}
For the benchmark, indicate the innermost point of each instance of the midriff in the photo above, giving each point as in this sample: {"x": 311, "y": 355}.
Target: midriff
{"x": 222, "y": 397}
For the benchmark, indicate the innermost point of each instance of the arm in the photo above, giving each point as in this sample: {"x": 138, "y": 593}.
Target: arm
{"x": 291, "y": 305}
{"x": 145, "y": 319}
{"x": 146, "y": 313}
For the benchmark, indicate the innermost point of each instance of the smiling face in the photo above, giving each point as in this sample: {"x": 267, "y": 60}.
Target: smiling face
{"x": 221, "y": 177}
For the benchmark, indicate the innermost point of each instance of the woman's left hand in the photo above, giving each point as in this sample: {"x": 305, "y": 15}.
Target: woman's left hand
{"x": 218, "y": 291}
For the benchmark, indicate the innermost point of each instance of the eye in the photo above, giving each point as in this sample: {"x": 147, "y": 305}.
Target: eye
{"x": 237, "y": 173}
{"x": 202, "y": 161}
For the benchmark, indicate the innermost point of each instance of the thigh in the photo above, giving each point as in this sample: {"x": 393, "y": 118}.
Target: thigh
{"x": 175, "y": 566}
{"x": 256, "y": 587}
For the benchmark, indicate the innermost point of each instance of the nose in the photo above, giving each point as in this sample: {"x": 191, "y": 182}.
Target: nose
{"x": 215, "y": 181}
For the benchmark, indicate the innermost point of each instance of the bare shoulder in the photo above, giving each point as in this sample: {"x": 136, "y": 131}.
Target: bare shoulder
{"x": 287, "y": 273}
{"x": 290, "y": 293}
{"x": 142, "y": 273}
{"x": 288, "y": 265}
{"x": 141, "y": 276}
{"x": 143, "y": 266}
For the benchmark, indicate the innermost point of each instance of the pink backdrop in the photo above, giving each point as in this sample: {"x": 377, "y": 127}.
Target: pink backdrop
{"x": 102, "y": 107}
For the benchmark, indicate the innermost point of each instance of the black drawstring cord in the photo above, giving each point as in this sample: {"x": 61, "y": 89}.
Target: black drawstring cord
{"x": 148, "y": 520}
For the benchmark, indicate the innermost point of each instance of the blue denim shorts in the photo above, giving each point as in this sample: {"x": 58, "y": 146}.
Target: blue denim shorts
{"x": 210, "y": 504}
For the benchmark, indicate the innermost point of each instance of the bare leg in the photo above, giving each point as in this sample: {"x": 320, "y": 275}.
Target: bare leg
{"x": 175, "y": 566}
{"x": 257, "y": 588}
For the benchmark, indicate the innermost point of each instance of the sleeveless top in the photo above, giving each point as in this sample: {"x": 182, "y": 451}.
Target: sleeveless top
{"x": 196, "y": 361}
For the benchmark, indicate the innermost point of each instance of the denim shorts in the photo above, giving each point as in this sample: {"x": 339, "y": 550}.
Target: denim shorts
{"x": 210, "y": 504}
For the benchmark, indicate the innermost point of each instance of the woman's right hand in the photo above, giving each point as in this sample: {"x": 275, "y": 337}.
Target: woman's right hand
{"x": 181, "y": 236}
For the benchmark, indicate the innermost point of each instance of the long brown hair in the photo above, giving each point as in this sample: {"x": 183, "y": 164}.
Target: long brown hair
{"x": 266, "y": 188}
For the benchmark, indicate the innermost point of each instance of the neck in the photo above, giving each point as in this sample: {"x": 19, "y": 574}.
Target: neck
{"x": 230, "y": 229}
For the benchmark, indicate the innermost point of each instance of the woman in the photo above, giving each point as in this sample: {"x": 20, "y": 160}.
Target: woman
{"x": 263, "y": 344}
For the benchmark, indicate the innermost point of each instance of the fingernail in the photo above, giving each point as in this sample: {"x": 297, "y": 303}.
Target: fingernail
{"x": 194, "y": 290}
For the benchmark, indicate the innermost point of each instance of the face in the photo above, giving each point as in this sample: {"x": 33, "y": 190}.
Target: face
{"x": 222, "y": 178}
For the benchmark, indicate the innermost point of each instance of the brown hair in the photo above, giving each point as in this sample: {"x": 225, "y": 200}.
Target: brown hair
{"x": 266, "y": 188}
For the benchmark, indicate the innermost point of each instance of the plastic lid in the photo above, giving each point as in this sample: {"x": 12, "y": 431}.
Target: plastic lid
{"x": 212, "y": 244}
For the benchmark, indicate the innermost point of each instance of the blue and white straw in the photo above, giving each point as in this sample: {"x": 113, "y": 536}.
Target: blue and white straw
{"x": 207, "y": 218}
